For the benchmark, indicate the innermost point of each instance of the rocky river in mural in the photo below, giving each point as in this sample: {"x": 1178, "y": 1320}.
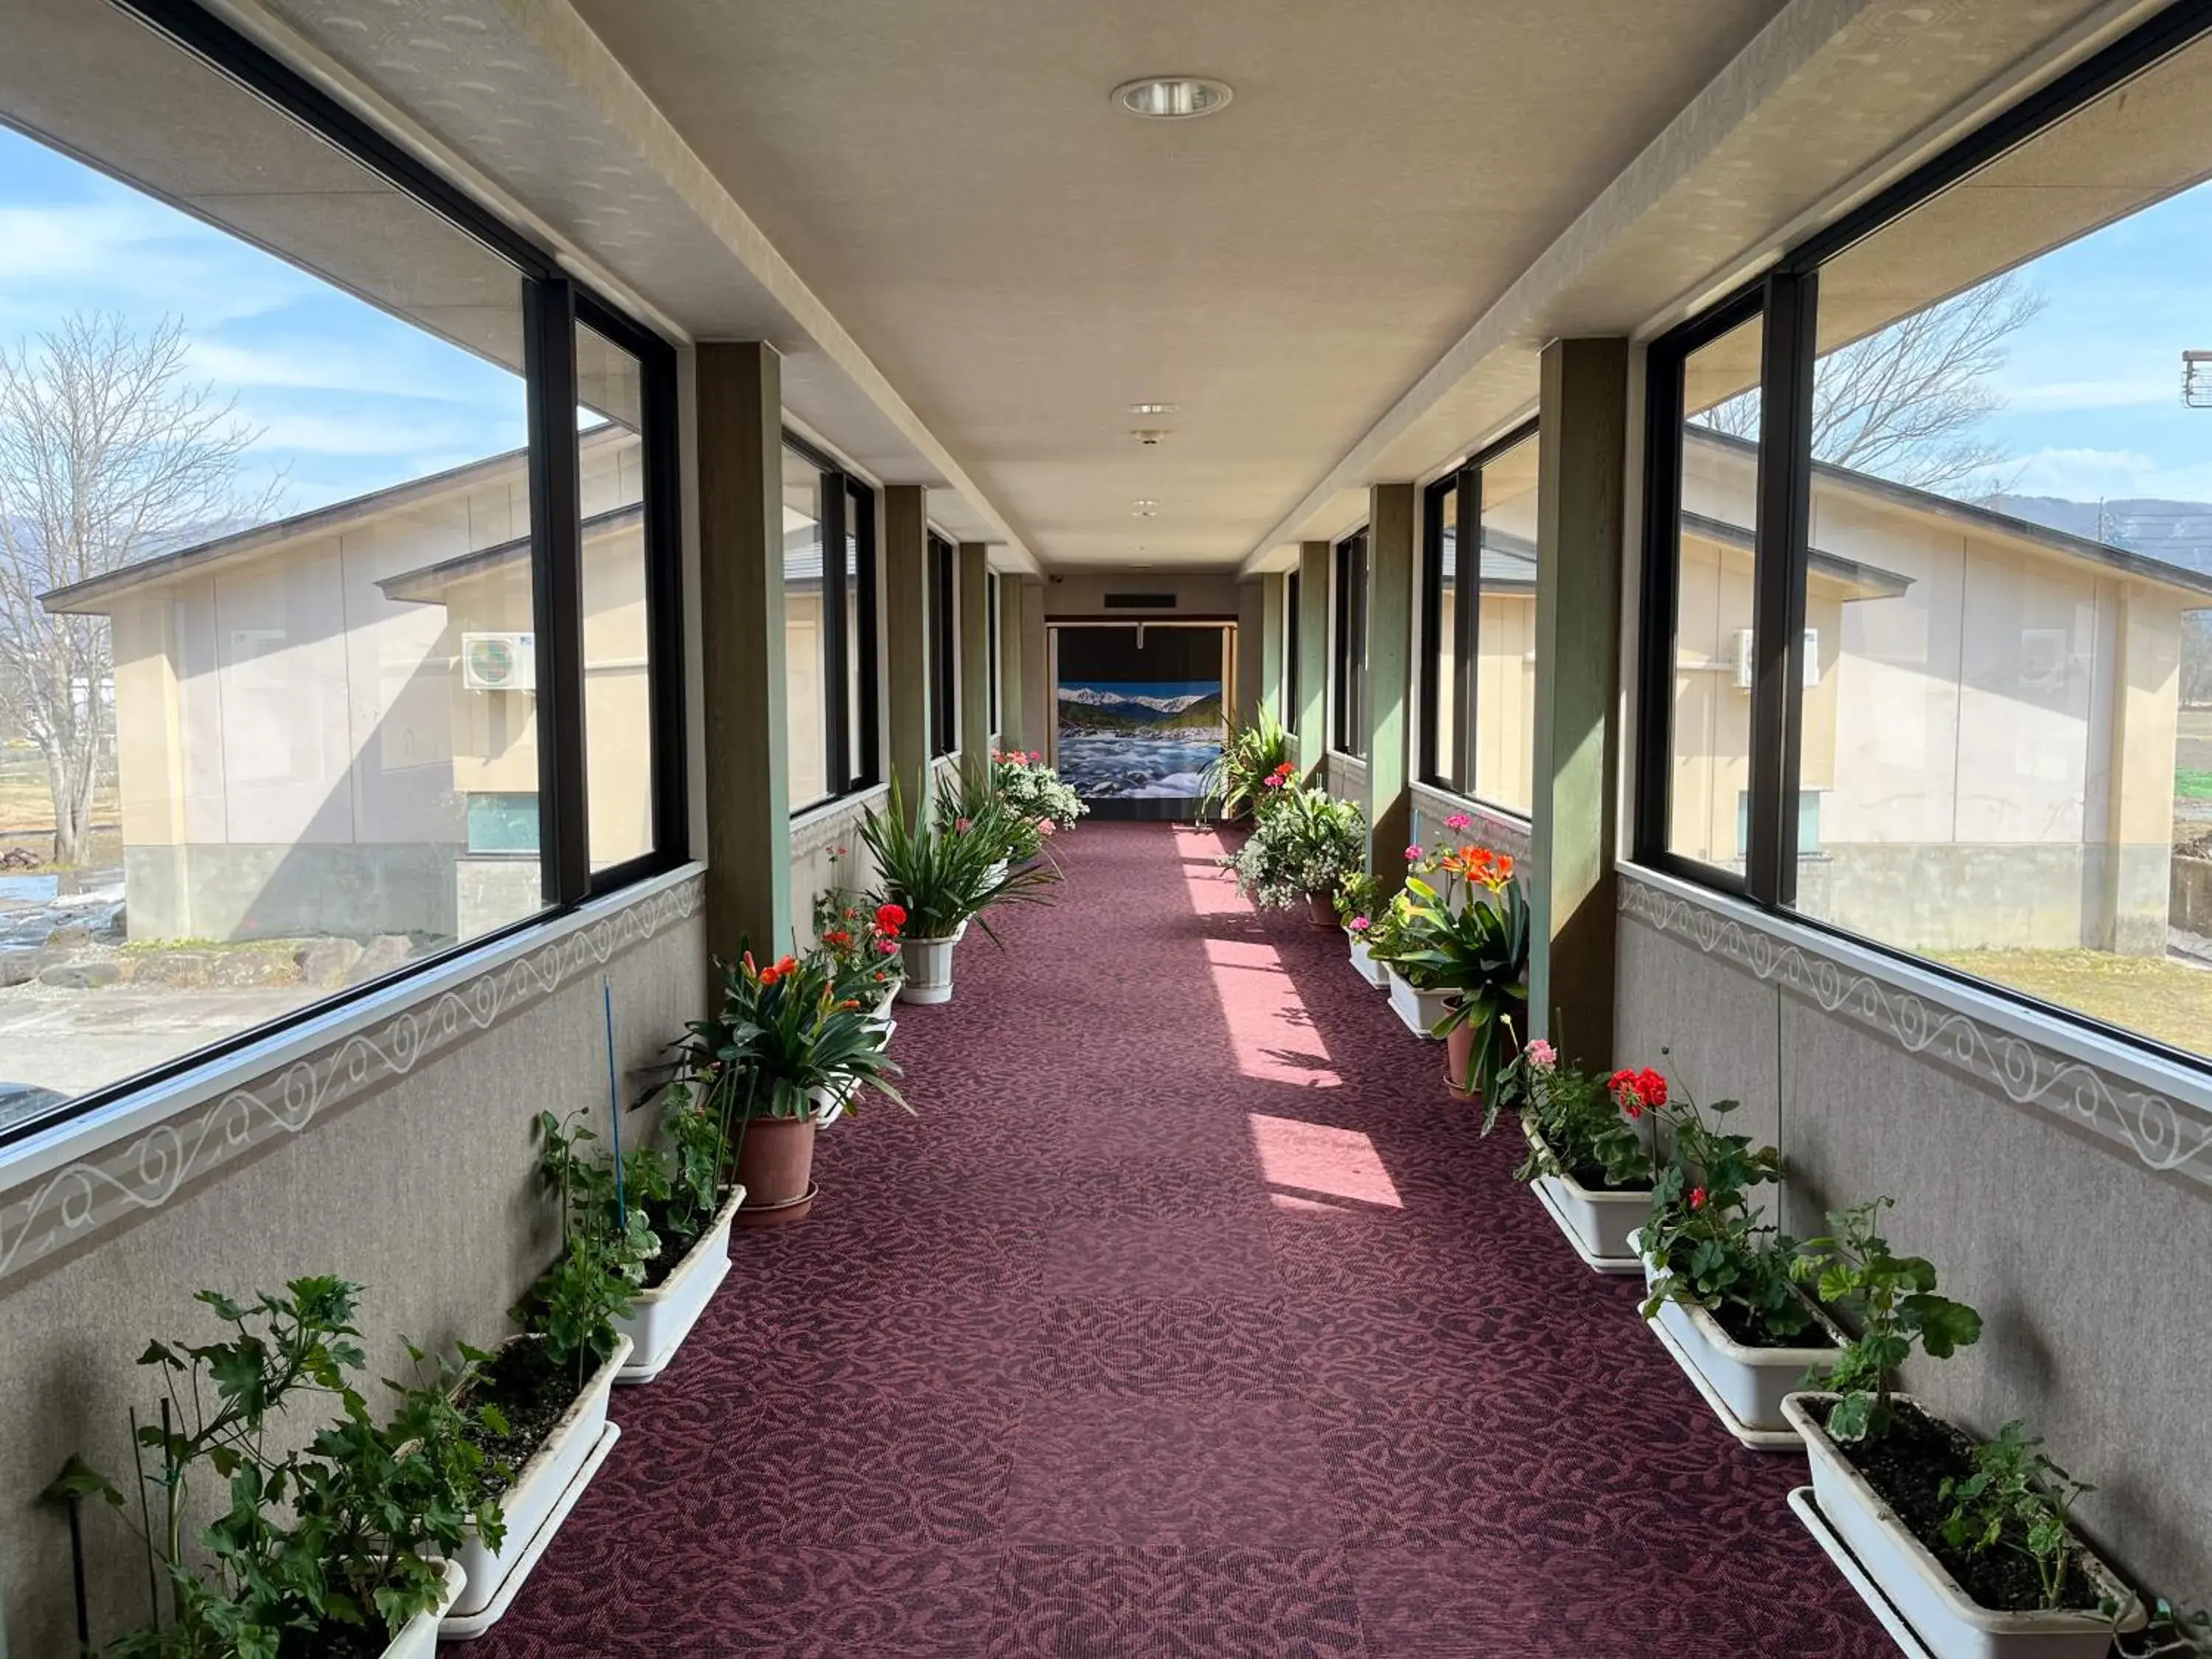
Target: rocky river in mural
{"x": 1134, "y": 742}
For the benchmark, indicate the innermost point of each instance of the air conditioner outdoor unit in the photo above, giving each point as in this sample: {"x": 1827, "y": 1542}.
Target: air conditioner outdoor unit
{"x": 499, "y": 662}
{"x": 1744, "y": 664}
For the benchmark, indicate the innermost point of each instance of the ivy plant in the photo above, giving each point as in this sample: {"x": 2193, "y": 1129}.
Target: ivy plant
{"x": 1893, "y": 1300}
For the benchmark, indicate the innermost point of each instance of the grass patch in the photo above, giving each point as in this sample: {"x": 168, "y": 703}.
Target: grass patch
{"x": 2156, "y": 996}
{"x": 2192, "y": 783}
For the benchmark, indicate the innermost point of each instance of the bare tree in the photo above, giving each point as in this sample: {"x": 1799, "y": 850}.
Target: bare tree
{"x": 107, "y": 456}
{"x": 1904, "y": 403}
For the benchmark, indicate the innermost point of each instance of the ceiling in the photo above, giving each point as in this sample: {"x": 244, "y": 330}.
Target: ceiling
{"x": 1023, "y": 260}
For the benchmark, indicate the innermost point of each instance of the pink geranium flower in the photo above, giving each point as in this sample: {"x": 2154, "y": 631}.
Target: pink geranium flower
{"x": 1413, "y": 854}
{"x": 1542, "y": 1056}
{"x": 1360, "y": 924}
{"x": 1459, "y": 821}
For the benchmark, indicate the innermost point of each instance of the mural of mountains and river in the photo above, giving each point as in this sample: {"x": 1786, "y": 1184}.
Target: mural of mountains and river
{"x": 1138, "y": 741}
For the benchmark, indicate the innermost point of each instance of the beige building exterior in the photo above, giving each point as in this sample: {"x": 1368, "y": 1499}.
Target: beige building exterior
{"x": 1991, "y": 709}
{"x": 327, "y": 725}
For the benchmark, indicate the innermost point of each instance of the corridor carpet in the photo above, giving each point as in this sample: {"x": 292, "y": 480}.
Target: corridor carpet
{"x": 1190, "y": 1316}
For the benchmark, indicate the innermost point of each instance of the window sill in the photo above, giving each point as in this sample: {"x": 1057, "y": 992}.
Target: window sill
{"x": 2139, "y": 1100}
{"x": 316, "y": 1062}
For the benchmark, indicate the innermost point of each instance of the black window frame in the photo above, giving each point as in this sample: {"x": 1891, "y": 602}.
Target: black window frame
{"x": 1292, "y": 714}
{"x": 847, "y": 503}
{"x": 941, "y": 604}
{"x": 1348, "y": 645}
{"x": 1786, "y": 298}
{"x": 553, "y": 303}
{"x": 1462, "y": 486}
{"x": 991, "y": 582}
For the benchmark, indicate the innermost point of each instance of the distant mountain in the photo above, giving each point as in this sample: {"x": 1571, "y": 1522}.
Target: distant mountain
{"x": 1097, "y": 698}
{"x": 1088, "y": 713}
{"x": 2180, "y": 533}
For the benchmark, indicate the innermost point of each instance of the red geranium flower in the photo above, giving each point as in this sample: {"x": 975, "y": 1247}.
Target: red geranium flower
{"x": 890, "y": 918}
{"x": 1697, "y": 1198}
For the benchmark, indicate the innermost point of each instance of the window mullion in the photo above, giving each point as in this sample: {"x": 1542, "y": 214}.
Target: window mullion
{"x": 1467, "y": 623}
{"x": 1778, "y": 615}
{"x": 835, "y": 503}
{"x": 557, "y": 598}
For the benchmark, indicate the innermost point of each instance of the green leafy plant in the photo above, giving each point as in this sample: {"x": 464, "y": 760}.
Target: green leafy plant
{"x": 604, "y": 1248}
{"x": 1586, "y": 1128}
{"x": 942, "y": 875}
{"x": 1310, "y": 842}
{"x": 1235, "y": 781}
{"x": 2173, "y": 1633}
{"x": 1711, "y": 1244}
{"x": 1477, "y": 949}
{"x": 1034, "y": 792}
{"x": 1358, "y": 896}
{"x": 2017, "y": 1500}
{"x": 318, "y": 1549}
{"x": 1893, "y": 1300}
{"x": 859, "y": 940}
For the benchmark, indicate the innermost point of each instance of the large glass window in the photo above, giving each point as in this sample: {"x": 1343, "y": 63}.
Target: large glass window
{"x": 1292, "y": 708}
{"x": 1713, "y": 524}
{"x": 1976, "y": 516}
{"x": 944, "y": 629}
{"x": 276, "y": 625}
{"x": 2004, "y": 742}
{"x": 991, "y": 638}
{"x": 828, "y": 628}
{"x": 1349, "y": 677}
{"x": 1444, "y": 622}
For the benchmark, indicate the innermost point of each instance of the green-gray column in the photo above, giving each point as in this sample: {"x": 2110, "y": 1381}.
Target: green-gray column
{"x": 1250, "y": 621}
{"x": 1389, "y": 681}
{"x": 746, "y": 786}
{"x": 975, "y": 659}
{"x": 1581, "y": 480}
{"x": 1013, "y": 730}
{"x": 906, "y": 637}
{"x": 1275, "y": 594}
{"x": 1313, "y": 659}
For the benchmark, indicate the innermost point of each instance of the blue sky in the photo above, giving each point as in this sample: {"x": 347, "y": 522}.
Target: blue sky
{"x": 347, "y": 399}
{"x": 2092, "y": 386}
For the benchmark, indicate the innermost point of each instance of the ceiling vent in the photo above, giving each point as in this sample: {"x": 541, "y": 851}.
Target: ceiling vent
{"x": 1141, "y": 601}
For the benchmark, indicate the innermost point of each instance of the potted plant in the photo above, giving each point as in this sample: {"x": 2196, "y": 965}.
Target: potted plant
{"x": 339, "y": 1550}
{"x": 1357, "y": 901}
{"x": 1590, "y": 1150}
{"x": 2173, "y": 1633}
{"x": 1722, "y": 1296}
{"x": 1035, "y": 793}
{"x": 1300, "y": 852}
{"x": 785, "y": 1048}
{"x": 940, "y": 878}
{"x": 677, "y": 1196}
{"x": 862, "y": 945}
{"x": 1393, "y": 939}
{"x": 1470, "y": 941}
{"x": 1235, "y": 783}
{"x": 541, "y": 1396}
{"x": 1969, "y": 1545}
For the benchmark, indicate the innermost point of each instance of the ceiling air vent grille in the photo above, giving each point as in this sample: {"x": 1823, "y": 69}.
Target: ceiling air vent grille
{"x": 1141, "y": 601}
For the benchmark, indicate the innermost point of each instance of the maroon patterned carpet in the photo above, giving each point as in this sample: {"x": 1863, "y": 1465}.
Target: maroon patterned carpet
{"x": 1190, "y": 1318}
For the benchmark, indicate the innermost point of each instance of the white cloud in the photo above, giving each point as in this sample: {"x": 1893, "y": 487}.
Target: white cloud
{"x": 2115, "y": 392}
{"x": 435, "y": 370}
{"x": 364, "y": 432}
{"x": 2081, "y": 475}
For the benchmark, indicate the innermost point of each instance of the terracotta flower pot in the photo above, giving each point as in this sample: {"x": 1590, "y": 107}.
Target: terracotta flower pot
{"x": 1321, "y": 910}
{"x": 775, "y": 1166}
{"x": 1459, "y": 1057}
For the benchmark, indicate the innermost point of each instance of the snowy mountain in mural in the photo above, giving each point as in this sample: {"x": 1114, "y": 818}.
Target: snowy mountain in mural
{"x": 1129, "y": 742}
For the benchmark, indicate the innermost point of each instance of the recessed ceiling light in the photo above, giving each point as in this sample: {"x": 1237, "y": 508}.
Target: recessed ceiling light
{"x": 1153, "y": 409}
{"x": 1148, "y": 435}
{"x": 1145, "y": 509}
{"x": 1172, "y": 97}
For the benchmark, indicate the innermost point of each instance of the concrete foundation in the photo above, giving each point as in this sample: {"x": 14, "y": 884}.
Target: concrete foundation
{"x": 1951, "y": 896}
{"x": 261, "y": 891}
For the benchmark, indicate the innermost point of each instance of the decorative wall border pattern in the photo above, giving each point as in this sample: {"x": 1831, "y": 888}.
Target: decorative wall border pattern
{"x": 144, "y": 1171}
{"x": 2167, "y": 1136}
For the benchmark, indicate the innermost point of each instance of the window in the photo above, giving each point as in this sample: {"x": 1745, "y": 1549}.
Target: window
{"x": 1349, "y": 574}
{"x": 944, "y": 627}
{"x": 828, "y": 628}
{"x": 991, "y": 640}
{"x": 1479, "y": 626}
{"x": 1291, "y": 705}
{"x": 1945, "y": 559}
{"x": 375, "y": 679}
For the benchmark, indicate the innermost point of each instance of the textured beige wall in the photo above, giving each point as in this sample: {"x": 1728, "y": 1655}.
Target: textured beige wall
{"x": 424, "y": 1192}
{"x": 816, "y": 864}
{"x": 2088, "y": 1268}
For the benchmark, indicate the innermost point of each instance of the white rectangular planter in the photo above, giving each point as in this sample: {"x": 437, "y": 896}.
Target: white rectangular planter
{"x": 1363, "y": 962}
{"x": 1948, "y": 1621}
{"x": 660, "y": 1318}
{"x": 418, "y": 1637}
{"x": 540, "y": 1486}
{"x": 1597, "y": 1223}
{"x": 1744, "y": 1386}
{"x": 1417, "y": 1010}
